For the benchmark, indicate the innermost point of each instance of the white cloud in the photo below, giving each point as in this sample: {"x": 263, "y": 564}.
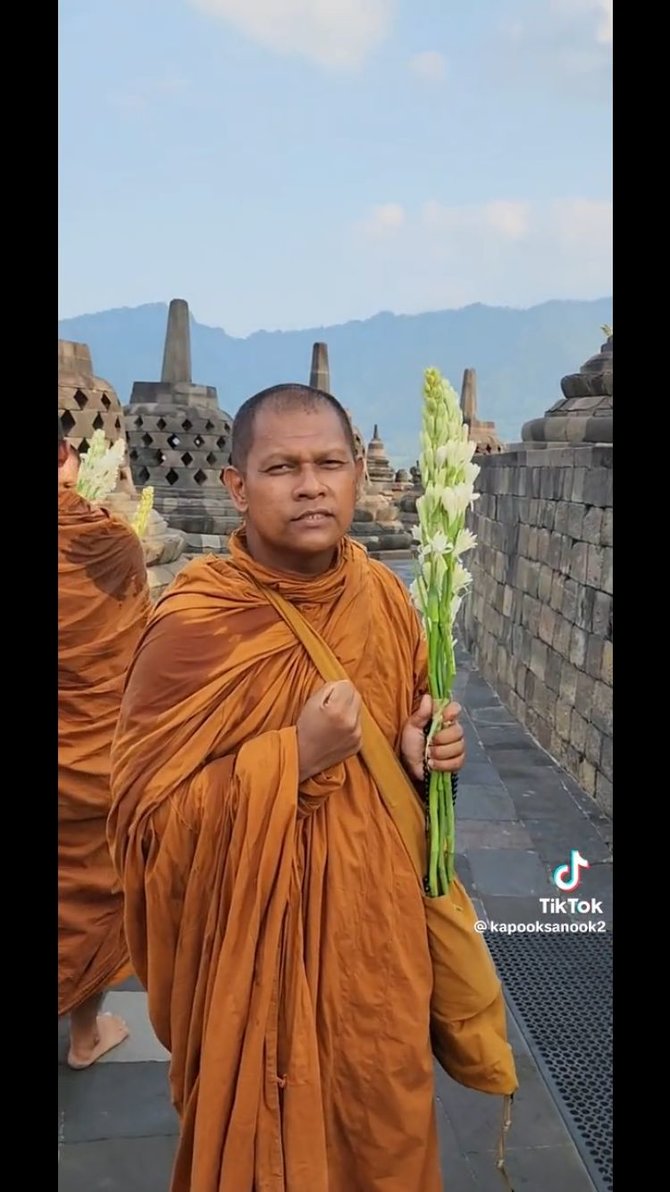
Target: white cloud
{"x": 504, "y": 252}
{"x": 384, "y": 220}
{"x": 431, "y": 66}
{"x": 508, "y": 219}
{"x": 334, "y": 33}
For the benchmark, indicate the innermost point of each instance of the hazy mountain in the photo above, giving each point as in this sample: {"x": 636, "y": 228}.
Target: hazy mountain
{"x": 376, "y": 364}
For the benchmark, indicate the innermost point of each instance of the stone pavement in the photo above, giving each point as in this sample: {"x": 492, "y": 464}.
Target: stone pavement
{"x": 518, "y": 816}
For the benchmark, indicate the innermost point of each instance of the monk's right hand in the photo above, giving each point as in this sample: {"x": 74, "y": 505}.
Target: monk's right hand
{"x": 329, "y": 728}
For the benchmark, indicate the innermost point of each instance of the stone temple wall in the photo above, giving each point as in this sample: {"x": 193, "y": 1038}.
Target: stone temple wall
{"x": 538, "y": 619}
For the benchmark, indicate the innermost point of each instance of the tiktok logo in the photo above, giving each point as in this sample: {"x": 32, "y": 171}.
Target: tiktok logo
{"x": 567, "y": 877}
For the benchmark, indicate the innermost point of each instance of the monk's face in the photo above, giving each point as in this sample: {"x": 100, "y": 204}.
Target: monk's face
{"x": 298, "y": 491}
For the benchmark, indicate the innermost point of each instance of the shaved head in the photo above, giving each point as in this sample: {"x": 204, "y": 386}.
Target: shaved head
{"x": 283, "y": 399}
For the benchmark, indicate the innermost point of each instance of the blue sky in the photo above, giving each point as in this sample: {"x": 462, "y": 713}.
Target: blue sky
{"x": 295, "y": 163}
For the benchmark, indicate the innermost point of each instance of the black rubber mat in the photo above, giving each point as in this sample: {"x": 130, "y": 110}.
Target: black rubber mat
{"x": 559, "y": 987}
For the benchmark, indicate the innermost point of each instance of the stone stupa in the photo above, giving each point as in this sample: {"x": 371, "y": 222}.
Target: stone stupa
{"x": 87, "y": 403}
{"x": 376, "y": 524}
{"x": 179, "y": 442}
{"x": 484, "y": 434}
{"x": 585, "y": 412}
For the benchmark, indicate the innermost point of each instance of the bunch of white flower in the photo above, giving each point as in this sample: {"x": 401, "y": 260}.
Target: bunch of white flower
{"x": 448, "y": 476}
{"x": 99, "y": 468}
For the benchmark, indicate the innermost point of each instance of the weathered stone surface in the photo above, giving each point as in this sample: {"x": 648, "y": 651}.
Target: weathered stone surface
{"x": 547, "y": 625}
{"x": 577, "y": 491}
{"x": 594, "y": 656}
{"x": 545, "y": 582}
{"x": 562, "y": 517}
{"x": 557, "y": 589}
{"x": 555, "y": 552}
{"x": 584, "y": 697}
{"x": 569, "y": 681}
{"x": 602, "y": 615}
{"x": 562, "y": 637}
{"x": 578, "y": 557}
{"x": 552, "y": 675}
{"x": 587, "y": 777}
{"x": 578, "y": 641}
{"x": 598, "y": 488}
{"x": 601, "y": 709}
{"x": 539, "y": 622}
{"x": 538, "y": 659}
{"x": 570, "y": 600}
{"x": 604, "y": 793}
{"x": 594, "y": 565}
{"x": 592, "y": 526}
{"x": 607, "y": 570}
{"x": 608, "y": 663}
{"x": 585, "y": 605}
{"x": 542, "y": 699}
{"x": 576, "y": 522}
{"x": 578, "y": 727}
{"x": 606, "y": 758}
{"x": 530, "y": 615}
{"x": 593, "y": 744}
{"x": 563, "y": 718}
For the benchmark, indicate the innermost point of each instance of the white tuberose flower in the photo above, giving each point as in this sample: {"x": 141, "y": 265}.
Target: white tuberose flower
{"x": 465, "y": 540}
{"x": 439, "y": 544}
{"x": 456, "y": 500}
{"x": 470, "y": 472}
{"x": 455, "y": 453}
{"x": 460, "y": 578}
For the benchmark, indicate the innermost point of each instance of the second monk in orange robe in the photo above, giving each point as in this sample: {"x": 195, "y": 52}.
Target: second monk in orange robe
{"x": 103, "y": 606}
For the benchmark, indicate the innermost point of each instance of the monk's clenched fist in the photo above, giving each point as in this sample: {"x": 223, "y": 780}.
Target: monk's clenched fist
{"x": 447, "y": 748}
{"x": 329, "y": 728}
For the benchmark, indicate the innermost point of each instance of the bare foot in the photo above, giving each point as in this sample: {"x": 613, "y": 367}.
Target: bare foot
{"x": 110, "y": 1031}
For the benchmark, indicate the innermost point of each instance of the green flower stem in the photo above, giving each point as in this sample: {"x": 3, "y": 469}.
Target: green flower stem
{"x": 433, "y": 811}
{"x": 450, "y": 829}
{"x": 443, "y": 879}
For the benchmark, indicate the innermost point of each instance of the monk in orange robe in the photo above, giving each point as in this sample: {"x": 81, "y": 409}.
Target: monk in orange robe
{"x": 294, "y": 967}
{"x": 103, "y": 606}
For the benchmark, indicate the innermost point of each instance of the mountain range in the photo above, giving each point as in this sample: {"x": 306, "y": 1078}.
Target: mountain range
{"x": 376, "y": 364}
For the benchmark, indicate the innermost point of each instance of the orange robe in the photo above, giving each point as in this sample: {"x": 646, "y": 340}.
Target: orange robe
{"x": 280, "y": 932}
{"x": 103, "y": 606}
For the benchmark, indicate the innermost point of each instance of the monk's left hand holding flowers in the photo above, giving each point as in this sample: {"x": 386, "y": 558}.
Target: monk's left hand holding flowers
{"x": 446, "y": 751}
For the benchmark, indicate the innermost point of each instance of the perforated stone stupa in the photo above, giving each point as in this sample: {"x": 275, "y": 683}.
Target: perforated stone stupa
{"x": 179, "y": 442}
{"x": 585, "y": 413}
{"x": 86, "y": 403}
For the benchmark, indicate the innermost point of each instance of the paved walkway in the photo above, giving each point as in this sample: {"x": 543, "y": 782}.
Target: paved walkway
{"x": 518, "y": 816}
